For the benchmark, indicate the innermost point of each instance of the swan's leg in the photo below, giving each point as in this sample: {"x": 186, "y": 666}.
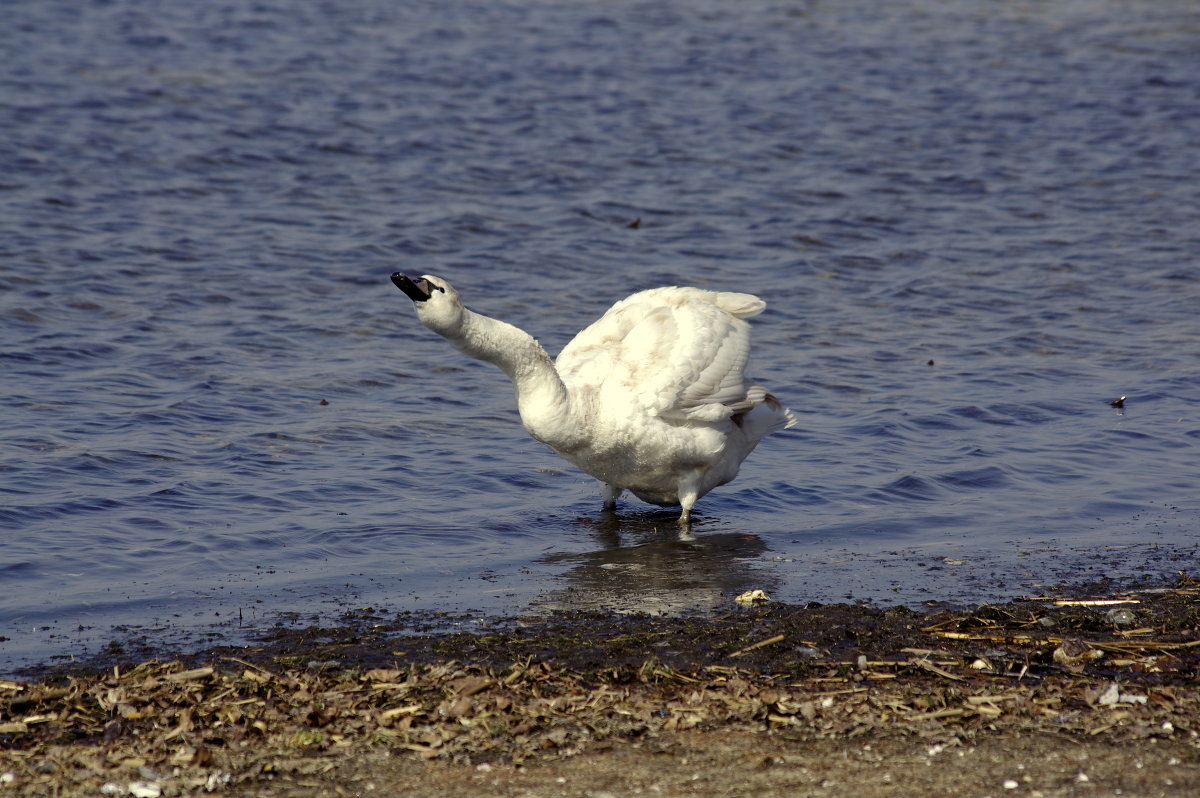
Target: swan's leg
{"x": 611, "y": 493}
{"x": 689, "y": 491}
{"x": 685, "y": 517}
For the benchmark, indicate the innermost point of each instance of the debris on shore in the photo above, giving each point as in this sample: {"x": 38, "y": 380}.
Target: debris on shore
{"x": 298, "y": 706}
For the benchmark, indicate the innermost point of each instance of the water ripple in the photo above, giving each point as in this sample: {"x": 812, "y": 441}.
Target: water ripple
{"x": 974, "y": 226}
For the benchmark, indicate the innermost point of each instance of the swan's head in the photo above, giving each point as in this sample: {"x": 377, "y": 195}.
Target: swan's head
{"x": 437, "y": 303}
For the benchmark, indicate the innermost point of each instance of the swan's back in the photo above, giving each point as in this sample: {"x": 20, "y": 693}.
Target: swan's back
{"x": 678, "y": 353}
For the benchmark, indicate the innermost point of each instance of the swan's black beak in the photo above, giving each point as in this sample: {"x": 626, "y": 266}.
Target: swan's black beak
{"x": 417, "y": 290}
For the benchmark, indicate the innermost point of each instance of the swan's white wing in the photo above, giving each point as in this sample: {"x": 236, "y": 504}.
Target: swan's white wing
{"x": 674, "y": 352}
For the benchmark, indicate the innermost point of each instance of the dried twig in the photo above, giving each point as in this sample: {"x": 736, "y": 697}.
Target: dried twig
{"x": 760, "y": 644}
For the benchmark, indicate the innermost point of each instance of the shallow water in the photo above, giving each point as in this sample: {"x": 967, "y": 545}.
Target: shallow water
{"x": 975, "y": 225}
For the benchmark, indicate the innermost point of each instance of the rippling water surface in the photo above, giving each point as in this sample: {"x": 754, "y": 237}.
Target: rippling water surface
{"x": 975, "y": 224}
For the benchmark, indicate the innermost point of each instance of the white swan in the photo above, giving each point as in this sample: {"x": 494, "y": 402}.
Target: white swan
{"x": 651, "y": 398}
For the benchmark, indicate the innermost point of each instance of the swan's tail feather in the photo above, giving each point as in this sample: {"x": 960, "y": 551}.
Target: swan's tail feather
{"x": 742, "y": 306}
{"x": 760, "y": 413}
{"x": 788, "y": 418}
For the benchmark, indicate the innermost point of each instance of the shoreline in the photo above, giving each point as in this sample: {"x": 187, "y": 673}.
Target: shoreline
{"x": 781, "y": 698}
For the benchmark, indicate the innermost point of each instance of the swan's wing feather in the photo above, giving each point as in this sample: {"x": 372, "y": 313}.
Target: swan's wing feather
{"x": 675, "y": 352}
{"x": 726, "y": 343}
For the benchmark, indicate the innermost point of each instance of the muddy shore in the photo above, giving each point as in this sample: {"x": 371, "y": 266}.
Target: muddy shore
{"x": 1095, "y": 692}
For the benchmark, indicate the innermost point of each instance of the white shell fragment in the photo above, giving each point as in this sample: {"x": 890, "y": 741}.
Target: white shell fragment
{"x": 752, "y": 597}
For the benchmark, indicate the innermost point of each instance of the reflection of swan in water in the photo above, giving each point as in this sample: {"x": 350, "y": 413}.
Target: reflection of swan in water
{"x": 652, "y": 398}
{"x": 664, "y": 575}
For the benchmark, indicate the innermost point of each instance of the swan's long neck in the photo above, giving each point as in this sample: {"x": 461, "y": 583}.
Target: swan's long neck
{"x": 542, "y": 399}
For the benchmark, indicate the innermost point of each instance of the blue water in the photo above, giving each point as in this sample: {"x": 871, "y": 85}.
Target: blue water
{"x": 975, "y": 224}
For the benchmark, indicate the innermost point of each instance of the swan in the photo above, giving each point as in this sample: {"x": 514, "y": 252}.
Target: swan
{"x": 651, "y": 398}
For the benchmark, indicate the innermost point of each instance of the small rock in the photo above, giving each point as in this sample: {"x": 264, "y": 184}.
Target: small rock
{"x": 144, "y": 789}
{"x": 216, "y": 781}
{"x": 1113, "y": 695}
{"x": 1121, "y": 616}
{"x": 1011, "y": 784}
{"x": 1074, "y": 654}
{"x": 1110, "y": 696}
